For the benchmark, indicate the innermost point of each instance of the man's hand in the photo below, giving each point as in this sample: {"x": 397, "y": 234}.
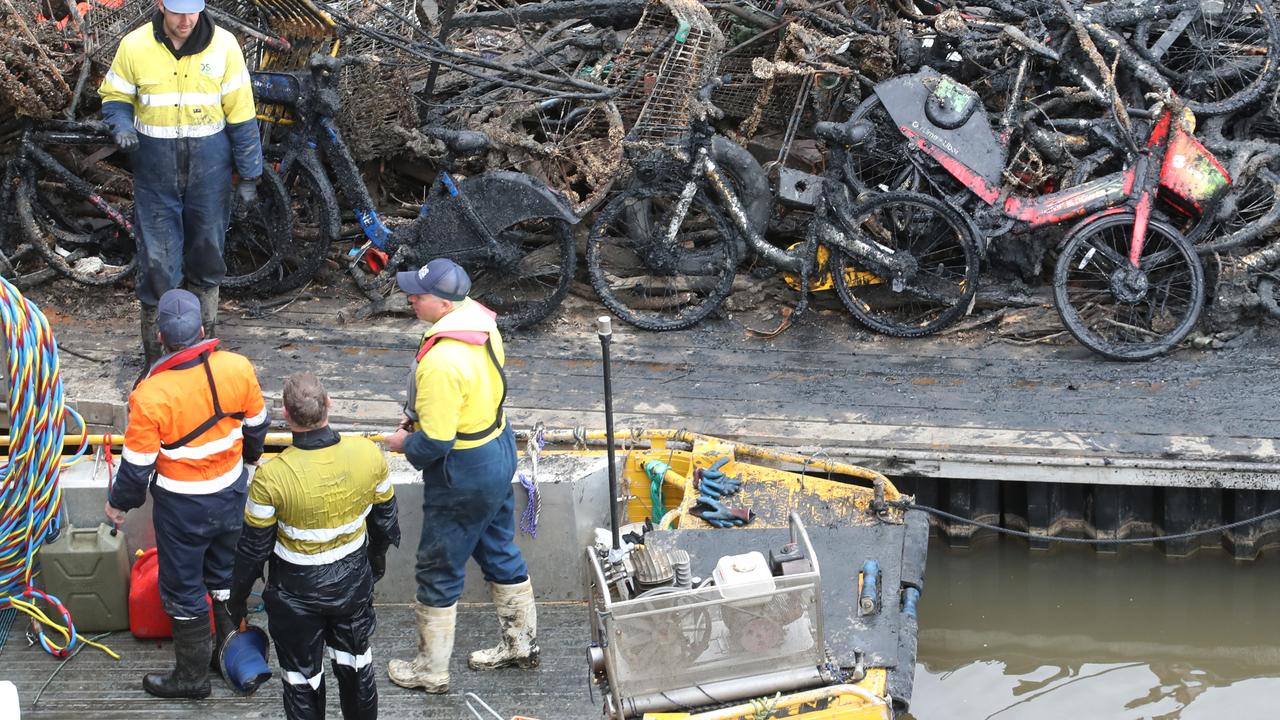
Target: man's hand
{"x": 126, "y": 140}
{"x": 238, "y": 609}
{"x": 246, "y": 195}
{"x": 395, "y": 441}
{"x": 114, "y": 514}
{"x": 378, "y": 563}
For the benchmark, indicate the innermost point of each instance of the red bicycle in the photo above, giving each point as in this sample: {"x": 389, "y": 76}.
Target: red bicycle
{"x": 1127, "y": 284}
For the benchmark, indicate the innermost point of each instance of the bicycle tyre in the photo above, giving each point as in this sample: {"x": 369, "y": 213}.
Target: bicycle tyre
{"x": 1189, "y": 63}
{"x": 526, "y": 291}
{"x": 688, "y": 282}
{"x": 880, "y": 163}
{"x": 84, "y": 263}
{"x": 1267, "y": 293}
{"x": 1104, "y": 312}
{"x": 316, "y": 223}
{"x": 945, "y": 248}
{"x": 258, "y": 240}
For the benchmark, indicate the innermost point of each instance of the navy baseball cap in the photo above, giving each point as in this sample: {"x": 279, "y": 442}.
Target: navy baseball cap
{"x": 184, "y": 7}
{"x": 441, "y": 277}
{"x": 179, "y": 318}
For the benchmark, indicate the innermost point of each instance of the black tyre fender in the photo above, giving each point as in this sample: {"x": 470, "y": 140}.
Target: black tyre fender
{"x": 500, "y": 198}
{"x": 756, "y": 197}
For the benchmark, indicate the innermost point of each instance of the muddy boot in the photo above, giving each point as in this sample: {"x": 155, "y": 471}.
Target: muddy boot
{"x": 149, "y": 331}
{"x": 192, "y": 645}
{"x": 430, "y": 669}
{"x": 208, "y": 309}
{"x": 519, "y": 620}
{"x": 222, "y": 629}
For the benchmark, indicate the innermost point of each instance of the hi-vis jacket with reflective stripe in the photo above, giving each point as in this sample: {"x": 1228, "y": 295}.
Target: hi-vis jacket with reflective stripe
{"x": 168, "y": 405}
{"x": 192, "y": 96}
{"x": 319, "y": 496}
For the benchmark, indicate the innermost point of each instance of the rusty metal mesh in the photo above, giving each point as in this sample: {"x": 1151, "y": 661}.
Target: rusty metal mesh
{"x": 667, "y": 57}
{"x": 378, "y": 98}
{"x": 106, "y": 22}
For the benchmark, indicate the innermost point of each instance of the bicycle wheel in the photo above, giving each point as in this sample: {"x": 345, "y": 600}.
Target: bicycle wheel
{"x": 657, "y": 282}
{"x": 531, "y": 276}
{"x": 83, "y": 238}
{"x": 881, "y": 161}
{"x": 315, "y": 227}
{"x": 1119, "y": 311}
{"x": 258, "y": 238}
{"x": 932, "y": 242}
{"x": 1251, "y": 208}
{"x": 1225, "y": 59}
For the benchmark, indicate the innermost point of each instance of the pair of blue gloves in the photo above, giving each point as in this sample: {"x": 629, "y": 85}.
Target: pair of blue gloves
{"x": 713, "y": 485}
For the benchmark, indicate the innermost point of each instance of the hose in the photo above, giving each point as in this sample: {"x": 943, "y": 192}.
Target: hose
{"x": 1085, "y": 541}
{"x": 30, "y": 497}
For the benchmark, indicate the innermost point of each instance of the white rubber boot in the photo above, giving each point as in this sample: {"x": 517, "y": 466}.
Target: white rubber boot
{"x": 430, "y": 669}
{"x": 519, "y": 620}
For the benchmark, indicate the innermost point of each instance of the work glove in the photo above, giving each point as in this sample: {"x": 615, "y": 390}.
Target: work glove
{"x": 126, "y": 140}
{"x": 238, "y": 609}
{"x": 378, "y": 563}
{"x": 713, "y": 482}
{"x": 719, "y": 515}
{"x": 246, "y": 196}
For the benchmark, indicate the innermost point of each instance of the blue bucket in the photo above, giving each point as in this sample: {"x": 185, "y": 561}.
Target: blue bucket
{"x": 243, "y": 659}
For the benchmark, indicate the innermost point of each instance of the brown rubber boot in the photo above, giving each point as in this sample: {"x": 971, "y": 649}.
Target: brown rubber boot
{"x": 518, "y": 617}
{"x": 429, "y": 670}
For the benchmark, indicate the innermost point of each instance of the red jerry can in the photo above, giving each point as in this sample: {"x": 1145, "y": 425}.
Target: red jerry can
{"x": 147, "y": 618}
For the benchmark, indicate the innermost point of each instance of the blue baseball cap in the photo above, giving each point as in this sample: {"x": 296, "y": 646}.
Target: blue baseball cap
{"x": 179, "y": 318}
{"x": 183, "y": 7}
{"x": 441, "y": 277}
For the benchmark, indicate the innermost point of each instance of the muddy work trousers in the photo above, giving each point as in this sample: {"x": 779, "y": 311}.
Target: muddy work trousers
{"x": 305, "y": 632}
{"x": 182, "y": 205}
{"x": 196, "y": 538}
{"x": 468, "y": 511}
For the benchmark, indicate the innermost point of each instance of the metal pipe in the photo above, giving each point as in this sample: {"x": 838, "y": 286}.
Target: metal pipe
{"x": 721, "y": 692}
{"x": 605, "y": 331}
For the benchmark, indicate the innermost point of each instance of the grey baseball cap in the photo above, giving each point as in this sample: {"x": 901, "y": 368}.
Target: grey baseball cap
{"x": 441, "y": 277}
{"x": 179, "y": 318}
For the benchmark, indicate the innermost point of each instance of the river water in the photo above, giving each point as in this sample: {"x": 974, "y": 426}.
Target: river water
{"x": 1010, "y": 633}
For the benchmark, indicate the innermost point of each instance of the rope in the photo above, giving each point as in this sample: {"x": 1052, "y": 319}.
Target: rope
{"x": 30, "y": 497}
{"x": 533, "y": 510}
{"x": 1087, "y": 541}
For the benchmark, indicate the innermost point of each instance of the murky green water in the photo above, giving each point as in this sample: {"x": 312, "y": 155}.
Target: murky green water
{"x": 1009, "y": 633}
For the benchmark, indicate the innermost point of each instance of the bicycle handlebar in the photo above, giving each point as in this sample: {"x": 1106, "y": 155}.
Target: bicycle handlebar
{"x": 704, "y": 95}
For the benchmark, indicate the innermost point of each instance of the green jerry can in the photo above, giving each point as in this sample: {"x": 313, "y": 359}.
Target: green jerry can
{"x": 88, "y": 570}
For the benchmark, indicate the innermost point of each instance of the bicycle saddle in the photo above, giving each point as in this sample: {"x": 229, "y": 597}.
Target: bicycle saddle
{"x": 845, "y": 133}
{"x": 460, "y": 142}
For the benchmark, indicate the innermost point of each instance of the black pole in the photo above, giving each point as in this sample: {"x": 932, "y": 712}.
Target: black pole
{"x": 605, "y": 332}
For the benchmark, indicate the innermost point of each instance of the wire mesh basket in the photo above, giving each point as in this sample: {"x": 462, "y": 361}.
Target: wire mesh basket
{"x": 672, "y": 52}
{"x": 106, "y": 22}
{"x": 378, "y": 98}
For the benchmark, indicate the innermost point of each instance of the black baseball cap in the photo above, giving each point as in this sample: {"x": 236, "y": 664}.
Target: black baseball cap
{"x": 441, "y": 277}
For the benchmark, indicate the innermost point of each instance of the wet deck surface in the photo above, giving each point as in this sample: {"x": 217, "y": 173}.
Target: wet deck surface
{"x": 92, "y": 685}
{"x": 824, "y": 383}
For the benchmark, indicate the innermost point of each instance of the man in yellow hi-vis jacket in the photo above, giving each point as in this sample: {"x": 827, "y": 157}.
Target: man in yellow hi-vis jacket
{"x": 178, "y": 98}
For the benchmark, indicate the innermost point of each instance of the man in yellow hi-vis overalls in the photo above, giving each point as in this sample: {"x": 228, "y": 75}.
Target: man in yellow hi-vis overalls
{"x": 178, "y": 98}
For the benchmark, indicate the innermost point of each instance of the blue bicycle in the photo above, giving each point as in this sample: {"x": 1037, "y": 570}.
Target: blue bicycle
{"x": 512, "y": 232}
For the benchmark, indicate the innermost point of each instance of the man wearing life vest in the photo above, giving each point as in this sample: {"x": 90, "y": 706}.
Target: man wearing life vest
{"x": 324, "y": 512}
{"x": 455, "y": 431}
{"x": 178, "y": 98}
{"x": 195, "y": 421}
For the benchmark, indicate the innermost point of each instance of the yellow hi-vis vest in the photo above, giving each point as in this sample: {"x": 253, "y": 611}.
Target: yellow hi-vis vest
{"x": 188, "y": 97}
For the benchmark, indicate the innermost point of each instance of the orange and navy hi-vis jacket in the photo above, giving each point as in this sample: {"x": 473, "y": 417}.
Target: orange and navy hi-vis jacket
{"x": 170, "y": 406}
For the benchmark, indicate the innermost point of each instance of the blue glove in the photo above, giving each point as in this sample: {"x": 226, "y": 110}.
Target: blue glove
{"x": 719, "y": 515}
{"x": 713, "y": 482}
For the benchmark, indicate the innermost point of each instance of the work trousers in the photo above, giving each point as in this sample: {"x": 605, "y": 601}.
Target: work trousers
{"x": 182, "y": 205}
{"x": 196, "y": 538}
{"x": 468, "y": 511}
{"x": 307, "y": 627}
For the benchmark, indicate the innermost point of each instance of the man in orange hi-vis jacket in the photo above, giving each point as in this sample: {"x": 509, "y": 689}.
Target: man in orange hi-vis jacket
{"x": 194, "y": 422}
